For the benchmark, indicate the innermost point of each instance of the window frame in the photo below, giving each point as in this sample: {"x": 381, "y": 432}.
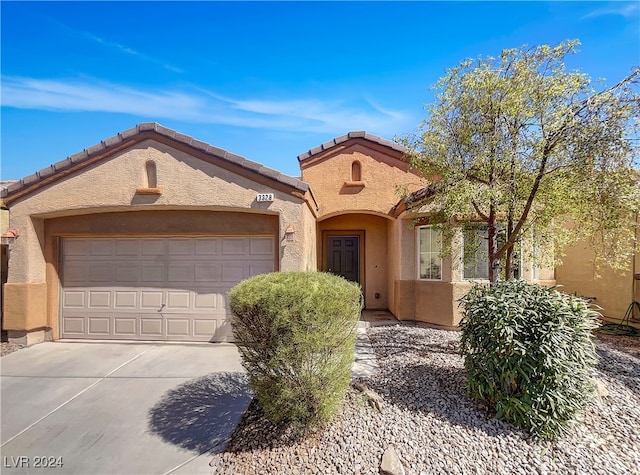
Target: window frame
{"x": 483, "y": 242}
{"x": 477, "y": 230}
{"x": 430, "y": 252}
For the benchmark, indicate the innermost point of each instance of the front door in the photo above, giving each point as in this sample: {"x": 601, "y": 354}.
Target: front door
{"x": 343, "y": 256}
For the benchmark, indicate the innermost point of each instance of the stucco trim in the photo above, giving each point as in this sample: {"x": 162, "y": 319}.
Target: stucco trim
{"x": 149, "y": 191}
{"x": 355, "y": 211}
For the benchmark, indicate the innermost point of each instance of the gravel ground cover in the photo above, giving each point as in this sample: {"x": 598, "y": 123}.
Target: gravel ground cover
{"x": 8, "y": 347}
{"x": 426, "y": 417}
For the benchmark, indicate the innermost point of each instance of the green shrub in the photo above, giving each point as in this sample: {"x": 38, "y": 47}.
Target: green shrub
{"x": 529, "y": 354}
{"x": 296, "y": 335}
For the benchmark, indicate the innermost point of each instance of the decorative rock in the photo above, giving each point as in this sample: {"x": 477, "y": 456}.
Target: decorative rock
{"x": 391, "y": 464}
{"x": 373, "y": 398}
{"x": 602, "y": 389}
{"x": 435, "y": 429}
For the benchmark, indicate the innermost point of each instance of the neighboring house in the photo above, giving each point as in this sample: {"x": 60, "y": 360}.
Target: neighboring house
{"x": 613, "y": 291}
{"x": 142, "y": 235}
{"x": 7, "y": 236}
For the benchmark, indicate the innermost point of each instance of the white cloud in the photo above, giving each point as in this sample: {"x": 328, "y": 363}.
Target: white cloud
{"x": 129, "y": 51}
{"x": 624, "y": 9}
{"x": 307, "y": 114}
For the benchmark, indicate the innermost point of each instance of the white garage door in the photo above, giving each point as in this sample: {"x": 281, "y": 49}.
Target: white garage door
{"x": 155, "y": 288}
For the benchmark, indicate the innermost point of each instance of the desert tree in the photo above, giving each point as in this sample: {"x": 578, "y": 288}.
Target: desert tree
{"x": 524, "y": 146}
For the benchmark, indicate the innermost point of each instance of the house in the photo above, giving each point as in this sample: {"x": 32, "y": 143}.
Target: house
{"x": 142, "y": 235}
{"x": 611, "y": 290}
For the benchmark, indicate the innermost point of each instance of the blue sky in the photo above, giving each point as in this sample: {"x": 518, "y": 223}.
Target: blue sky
{"x": 264, "y": 80}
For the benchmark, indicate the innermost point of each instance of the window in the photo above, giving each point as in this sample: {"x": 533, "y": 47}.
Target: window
{"x": 476, "y": 253}
{"x": 429, "y": 249}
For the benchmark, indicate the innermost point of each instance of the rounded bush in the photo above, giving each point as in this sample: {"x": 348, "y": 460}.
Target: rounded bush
{"x": 296, "y": 335}
{"x": 529, "y": 354}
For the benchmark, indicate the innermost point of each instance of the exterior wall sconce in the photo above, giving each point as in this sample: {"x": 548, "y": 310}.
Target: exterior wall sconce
{"x": 9, "y": 237}
{"x": 290, "y": 232}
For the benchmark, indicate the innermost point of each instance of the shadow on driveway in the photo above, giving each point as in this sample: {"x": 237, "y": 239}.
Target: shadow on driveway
{"x": 201, "y": 414}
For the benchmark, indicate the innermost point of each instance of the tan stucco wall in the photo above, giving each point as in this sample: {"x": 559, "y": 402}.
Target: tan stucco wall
{"x": 429, "y": 301}
{"x": 4, "y": 219}
{"x": 613, "y": 290}
{"x": 374, "y": 230}
{"x": 308, "y": 261}
{"x": 25, "y": 306}
{"x": 382, "y": 173}
{"x": 197, "y": 197}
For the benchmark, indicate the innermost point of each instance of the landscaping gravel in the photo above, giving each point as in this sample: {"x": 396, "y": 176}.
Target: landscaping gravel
{"x": 426, "y": 417}
{"x": 8, "y": 347}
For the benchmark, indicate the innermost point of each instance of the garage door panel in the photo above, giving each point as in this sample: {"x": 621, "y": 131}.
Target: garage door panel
{"x": 76, "y": 247}
{"x": 260, "y": 268}
{"x": 75, "y": 273}
{"x": 125, "y": 327}
{"x": 261, "y": 247}
{"x": 127, "y": 273}
{"x": 125, "y": 299}
{"x": 127, "y": 247}
{"x": 208, "y": 272}
{"x": 152, "y": 247}
{"x": 73, "y": 299}
{"x": 73, "y": 325}
{"x": 181, "y": 273}
{"x": 178, "y": 327}
{"x": 99, "y": 299}
{"x": 180, "y": 247}
{"x": 207, "y": 247}
{"x": 234, "y": 246}
{"x": 178, "y": 300}
{"x": 151, "y": 327}
{"x": 101, "y": 273}
{"x": 101, "y": 248}
{"x": 207, "y": 300}
{"x": 153, "y": 274}
{"x": 151, "y": 299}
{"x": 98, "y": 326}
{"x": 156, "y": 288}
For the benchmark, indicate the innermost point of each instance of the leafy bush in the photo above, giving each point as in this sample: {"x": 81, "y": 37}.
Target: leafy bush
{"x": 529, "y": 354}
{"x": 296, "y": 334}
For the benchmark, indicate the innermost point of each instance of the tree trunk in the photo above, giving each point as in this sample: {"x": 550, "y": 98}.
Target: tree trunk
{"x": 492, "y": 242}
{"x": 508, "y": 266}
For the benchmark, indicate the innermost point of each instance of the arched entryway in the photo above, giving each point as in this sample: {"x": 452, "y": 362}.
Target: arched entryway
{"x": 354, "y": 245}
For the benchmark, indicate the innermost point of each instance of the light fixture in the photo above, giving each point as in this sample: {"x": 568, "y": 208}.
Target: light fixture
{"x": 9, "y": 237}
{"x": 289, "y": 233}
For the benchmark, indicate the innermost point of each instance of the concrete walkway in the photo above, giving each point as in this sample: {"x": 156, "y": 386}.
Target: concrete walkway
{"x": 125, "y": 408}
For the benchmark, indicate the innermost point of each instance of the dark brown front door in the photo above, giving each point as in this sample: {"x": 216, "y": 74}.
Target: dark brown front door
{"x": 343, "y": 256}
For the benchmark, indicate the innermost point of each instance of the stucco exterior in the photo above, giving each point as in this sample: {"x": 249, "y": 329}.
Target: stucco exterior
{"x": 150, "y": 182}
{"x": 196, "y": 192}
{"x": 611, "y": 290}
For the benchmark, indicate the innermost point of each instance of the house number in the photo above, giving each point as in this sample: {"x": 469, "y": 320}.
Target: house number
{"x": 265, "y": 197}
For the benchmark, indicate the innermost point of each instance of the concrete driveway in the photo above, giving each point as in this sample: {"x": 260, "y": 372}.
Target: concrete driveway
{"x": 118, "y": 408}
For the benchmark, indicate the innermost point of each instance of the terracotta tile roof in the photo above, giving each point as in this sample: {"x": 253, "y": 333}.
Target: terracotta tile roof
{"x": 153, "y": 128}
{"x": 350, "y": 136}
